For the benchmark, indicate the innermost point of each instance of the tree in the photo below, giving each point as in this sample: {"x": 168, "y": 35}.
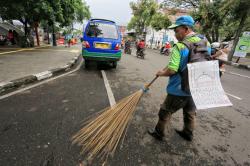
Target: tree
{"x": 143, "y": 11}
{"x": 210, "y": 19}
{"x": 241, "y": 12}
{"x": 182, "y": 3}
{"x": 160, "y": 21}
{"x": 222, "y": 20}
{"x": 31, "y": 12}
{"x": 66, "y": 12}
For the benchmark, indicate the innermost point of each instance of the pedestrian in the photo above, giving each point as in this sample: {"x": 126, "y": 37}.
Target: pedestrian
{"x": 127, "y": 49}
{"x": 66, "y": 40}
{"x": 177, "y": 98}
{"x": 166, "y": 49}
{"x": 69, "y": 40}
{"x": 15, "y": 37}
{"x": 220, "y": 53}
{"x": 11, "y": 36}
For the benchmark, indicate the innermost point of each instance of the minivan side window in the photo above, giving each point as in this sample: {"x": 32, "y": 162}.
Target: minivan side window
{"x": 102, "y": 30}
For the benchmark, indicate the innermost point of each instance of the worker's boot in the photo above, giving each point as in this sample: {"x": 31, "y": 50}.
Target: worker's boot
{"x": 158, "y": 132}
{"x": 187, "y": 135}
{"x": 189, "y": 123}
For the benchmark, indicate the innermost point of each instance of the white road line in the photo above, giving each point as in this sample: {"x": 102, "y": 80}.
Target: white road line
{"x": 234, "y": 96}
{"x": 109, "y": 91}
{"x": 237, "y": 74}
{"x": 40, "y": 83}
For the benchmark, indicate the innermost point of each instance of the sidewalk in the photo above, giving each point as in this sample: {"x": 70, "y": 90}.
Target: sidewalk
{"x": 16, "y": 64}
{"x": 243, "y": 61}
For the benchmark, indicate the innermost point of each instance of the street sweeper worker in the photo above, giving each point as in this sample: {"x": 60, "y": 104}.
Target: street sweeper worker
{"x": 177, "y": 98}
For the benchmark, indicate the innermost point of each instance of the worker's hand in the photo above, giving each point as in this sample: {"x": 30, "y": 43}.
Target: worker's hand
{"x": 160, "y": 73}
{"x": 145, "y": 88}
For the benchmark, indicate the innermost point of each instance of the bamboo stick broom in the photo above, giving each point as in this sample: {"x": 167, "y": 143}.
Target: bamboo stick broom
{"x": 101, "y": 134}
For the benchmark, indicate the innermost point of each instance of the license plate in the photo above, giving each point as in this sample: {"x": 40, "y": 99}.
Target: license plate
{"x": 102, "y": 45}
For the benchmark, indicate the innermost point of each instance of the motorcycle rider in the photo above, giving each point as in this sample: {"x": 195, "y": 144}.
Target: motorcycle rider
{"x": 220, "y": 52}
{"x": 140, "y": 48}
{"x": 127, "y": 47}
{"x": 166, "y": 49}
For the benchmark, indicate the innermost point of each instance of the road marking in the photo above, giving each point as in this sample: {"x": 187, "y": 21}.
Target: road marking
{"x": 109, "y": 91}
{"x": 24, "y": 49}
{"x": 237, "y": 74}
{"x": 62, "y": 50}
{"x": 40, "y": 83}
{"x": 236, "y": 97}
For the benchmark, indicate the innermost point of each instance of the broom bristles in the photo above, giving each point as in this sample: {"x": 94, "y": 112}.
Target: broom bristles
{"x": 101, "y": 135}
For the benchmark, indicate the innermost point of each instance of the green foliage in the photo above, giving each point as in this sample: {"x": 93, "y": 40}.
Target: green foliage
{"x": 160, "y": 21}
{"x": 240, "y": 10}
{"x": 63, "y": 12}
{"x": 220, "y": 19}
{"x": 210, "y": 19}
{"x": 143, "y": 11}
{"x": 182, "y": 3}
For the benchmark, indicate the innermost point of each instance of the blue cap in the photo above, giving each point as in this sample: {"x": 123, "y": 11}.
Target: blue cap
{"x": 183, "y": 20}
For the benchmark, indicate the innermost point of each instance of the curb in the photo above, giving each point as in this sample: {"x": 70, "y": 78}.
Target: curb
{"x": 241, "y": 66}
{"x": 6, "y": 87}
{"x": 237, "y": 65}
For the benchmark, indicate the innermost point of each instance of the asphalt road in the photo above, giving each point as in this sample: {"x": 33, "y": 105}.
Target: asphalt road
{"x": 36, "y": 125}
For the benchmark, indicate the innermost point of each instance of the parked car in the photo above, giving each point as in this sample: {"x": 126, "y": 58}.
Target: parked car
{"x": 101, "y": 42}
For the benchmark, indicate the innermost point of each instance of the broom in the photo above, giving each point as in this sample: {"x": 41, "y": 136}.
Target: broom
{"x": 101, "y": 134}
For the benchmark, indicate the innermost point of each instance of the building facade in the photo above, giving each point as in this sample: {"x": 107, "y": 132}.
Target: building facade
{"x": 155, "y": 39}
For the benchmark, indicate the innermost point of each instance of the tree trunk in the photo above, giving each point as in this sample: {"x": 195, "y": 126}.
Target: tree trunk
{"x": 37, "y": 35}
{"x": 54, "y": 35}
{"x": 25, "y": 23}
{"x": 152, "y": 40}
{"x": 145, "y": 34}
{"x": 26, "y": 29}
{"x": 48, "y": 34}
{"x": 208, "y": 37}
{"x": 238, "y": 32}
{"x": 213, "y": 35}
{"x": 217, "y": 34}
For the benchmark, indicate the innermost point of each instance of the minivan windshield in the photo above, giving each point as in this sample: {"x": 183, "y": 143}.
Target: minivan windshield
{"x": 102, "y": 30}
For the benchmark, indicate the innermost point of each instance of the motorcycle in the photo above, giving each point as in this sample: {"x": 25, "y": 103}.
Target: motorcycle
{"x": 165, "y": 51}
{"x": 127, "y": 50}
{"x": 140, "y": 53}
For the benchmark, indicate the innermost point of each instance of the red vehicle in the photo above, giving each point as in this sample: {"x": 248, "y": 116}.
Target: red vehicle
{"x": 60, "y": 41}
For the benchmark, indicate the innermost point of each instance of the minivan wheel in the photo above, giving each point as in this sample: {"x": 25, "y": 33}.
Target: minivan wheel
{"x": 114, "y": 64}
{"x": 86, "y": 64}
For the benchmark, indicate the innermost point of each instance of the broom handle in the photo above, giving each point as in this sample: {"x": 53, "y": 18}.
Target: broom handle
{"x": 148, "y": 85}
